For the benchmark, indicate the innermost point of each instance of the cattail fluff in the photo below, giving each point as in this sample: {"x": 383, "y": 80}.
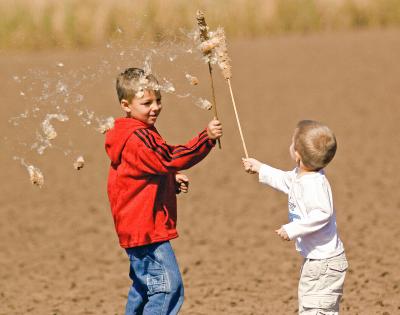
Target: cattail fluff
{"x": 221, "y": 51}
{"x": 192, "y": 79}
{"x": 105, "y": 124}
{"x": 207, "y": 46}
{"x": 203, "y": 104}
{"x": 79, "y": 163}
{"x": 35, "y": 176}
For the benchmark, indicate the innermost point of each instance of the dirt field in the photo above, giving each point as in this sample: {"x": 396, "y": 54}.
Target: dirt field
{"x": 58, "y": 250}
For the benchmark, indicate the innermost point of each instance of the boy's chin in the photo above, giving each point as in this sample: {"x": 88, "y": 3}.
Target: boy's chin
{"x": 151, "y": 121}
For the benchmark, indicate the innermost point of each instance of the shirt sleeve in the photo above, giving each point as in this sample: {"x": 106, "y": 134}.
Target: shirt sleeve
{"x": 317, "y": 201}
{"x": 150, "y": 154}
{"x": 275, "y": 178}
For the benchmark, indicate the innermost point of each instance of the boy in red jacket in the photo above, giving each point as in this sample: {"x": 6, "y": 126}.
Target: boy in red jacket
{"x": 142, "y": 185}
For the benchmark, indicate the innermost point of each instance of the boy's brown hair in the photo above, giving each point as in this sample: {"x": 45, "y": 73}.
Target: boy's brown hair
{"x": 315, "y": 143}
{"x": 132, "y": 81}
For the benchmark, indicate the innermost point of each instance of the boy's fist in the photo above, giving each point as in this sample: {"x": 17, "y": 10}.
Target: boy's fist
{"x": 214, "y": 129}
{"x": 283, "y": 234}
{"x": 251, "y": 165}
{"x": 182, "y": 183}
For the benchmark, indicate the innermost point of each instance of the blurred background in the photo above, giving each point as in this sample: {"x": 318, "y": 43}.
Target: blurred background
{"x": 40, "y": 24}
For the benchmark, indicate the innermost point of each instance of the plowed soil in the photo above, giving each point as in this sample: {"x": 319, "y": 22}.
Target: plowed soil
{"x": 58, "y": 250}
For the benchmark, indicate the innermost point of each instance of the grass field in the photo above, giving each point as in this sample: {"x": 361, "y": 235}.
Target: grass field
{"x": 33, "y": 24}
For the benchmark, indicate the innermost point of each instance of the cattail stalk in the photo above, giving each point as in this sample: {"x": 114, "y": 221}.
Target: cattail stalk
{"x": 237, "y": 119}
{"x": 203, "y": 28}
{"x": 224, "y": 64}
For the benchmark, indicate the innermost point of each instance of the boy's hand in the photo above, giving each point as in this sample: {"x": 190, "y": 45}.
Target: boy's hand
{"x": 214, "y": 129}
{"x": 251, "y": 165}
{"x": 182, "y": 183}
{"x": 282, "y": 233}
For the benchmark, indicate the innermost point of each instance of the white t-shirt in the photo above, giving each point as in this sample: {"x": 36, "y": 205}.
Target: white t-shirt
{"x": 312, "y": 217}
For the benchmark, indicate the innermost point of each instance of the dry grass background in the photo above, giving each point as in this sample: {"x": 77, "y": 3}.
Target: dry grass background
{"x": 33, "y": 24}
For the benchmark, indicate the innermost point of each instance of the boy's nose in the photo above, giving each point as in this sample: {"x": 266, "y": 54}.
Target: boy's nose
{"x": 156, "y": 106}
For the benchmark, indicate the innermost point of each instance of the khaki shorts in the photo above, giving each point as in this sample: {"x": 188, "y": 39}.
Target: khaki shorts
{"x": 321, "y": 285}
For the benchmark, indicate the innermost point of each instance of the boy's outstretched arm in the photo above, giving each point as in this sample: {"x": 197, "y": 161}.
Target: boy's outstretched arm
{"x": 148, "y": 153}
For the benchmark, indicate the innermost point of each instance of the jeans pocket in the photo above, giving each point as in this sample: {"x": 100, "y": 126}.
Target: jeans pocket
{"x": 157, "y": 284}
{"x": 156, "y": 277}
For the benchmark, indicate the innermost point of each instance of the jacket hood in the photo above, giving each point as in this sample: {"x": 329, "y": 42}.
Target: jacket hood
{"x": 117, "y": 137}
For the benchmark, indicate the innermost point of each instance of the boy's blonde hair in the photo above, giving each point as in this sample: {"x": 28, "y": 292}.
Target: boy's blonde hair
{"x": 133, "y": 81}
{"x": 315, "y": 143}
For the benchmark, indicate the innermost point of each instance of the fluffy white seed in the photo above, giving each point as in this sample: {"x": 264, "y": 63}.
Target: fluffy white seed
{"x": 203, "y": 104}
{"x": 35, "y": 175}
{"x": 192, "y": 79}
{"x": 79, "y": 163}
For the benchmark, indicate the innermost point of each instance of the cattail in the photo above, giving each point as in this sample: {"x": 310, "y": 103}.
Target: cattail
{"x": 35, "y": 175}
{"x": 79, "y": 163}
{"x": 203, "y": 28}
{"x": 204, "y": 37}
{"x": 222, "y": 54}
{"x": 207, "y": 46}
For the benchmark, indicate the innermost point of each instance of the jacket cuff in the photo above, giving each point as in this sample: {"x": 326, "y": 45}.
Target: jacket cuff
{"x": 290, "y": 229}
{"x": 210, "y": 142}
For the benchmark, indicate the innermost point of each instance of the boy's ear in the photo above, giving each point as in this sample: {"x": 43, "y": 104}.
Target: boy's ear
{"x": 125, "y": 106}
{"x": 298, "y": 157}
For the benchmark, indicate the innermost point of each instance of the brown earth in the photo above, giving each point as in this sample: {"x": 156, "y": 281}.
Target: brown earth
{"x": 58, "y": 250}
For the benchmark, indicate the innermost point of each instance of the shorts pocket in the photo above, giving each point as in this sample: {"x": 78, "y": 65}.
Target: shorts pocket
{"x": 338, "y": 265}
{"x": 329, "y": 302}
{"x": 312, "y": 270}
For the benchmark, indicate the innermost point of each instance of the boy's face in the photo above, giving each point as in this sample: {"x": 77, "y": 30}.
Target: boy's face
{"x": 146, "y": 108}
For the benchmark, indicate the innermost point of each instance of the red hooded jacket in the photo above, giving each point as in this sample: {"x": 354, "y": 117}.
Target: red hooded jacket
{"x": 141, "y": 181}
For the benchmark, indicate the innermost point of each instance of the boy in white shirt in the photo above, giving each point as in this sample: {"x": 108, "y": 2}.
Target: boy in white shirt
{"x": 312, "y": 218}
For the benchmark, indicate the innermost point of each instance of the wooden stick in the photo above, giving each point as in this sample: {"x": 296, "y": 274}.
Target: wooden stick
{"x": 212, "y": 90}
{"x": 224, "y": 64}
{"x": 204, "y": 37}
{"x": 237, "y": 119}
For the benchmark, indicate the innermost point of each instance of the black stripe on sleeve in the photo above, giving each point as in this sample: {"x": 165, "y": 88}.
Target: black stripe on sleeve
{"x": 154, "y": 146}
{"x": 141, "y": 138}
{"x": 183, "y": 148}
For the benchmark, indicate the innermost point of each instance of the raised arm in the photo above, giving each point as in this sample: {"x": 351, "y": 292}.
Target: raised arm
{"x": 148, "y": 153}
{"x": 268, "y": 175}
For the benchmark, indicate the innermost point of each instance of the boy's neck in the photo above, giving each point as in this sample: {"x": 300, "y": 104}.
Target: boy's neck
{"x": 302, "y": 170}
{"x": 132, "y": 117}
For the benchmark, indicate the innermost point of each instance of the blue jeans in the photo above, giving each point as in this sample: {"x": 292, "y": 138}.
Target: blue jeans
{"x": 157, "y": 287}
